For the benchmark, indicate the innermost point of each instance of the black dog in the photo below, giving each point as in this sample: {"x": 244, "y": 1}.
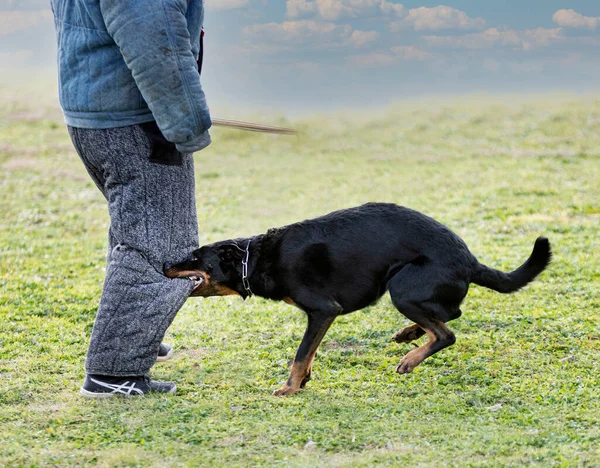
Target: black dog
{"x": 347, "y": 260}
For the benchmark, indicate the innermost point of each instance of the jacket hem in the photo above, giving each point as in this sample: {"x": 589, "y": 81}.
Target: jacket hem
{"x": 94, "y": 120}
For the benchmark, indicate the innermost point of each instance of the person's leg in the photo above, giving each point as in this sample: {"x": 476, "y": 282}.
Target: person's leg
{"x": 165, "y": 352}
{"x": 153, "y": 222}
{"x": 99, "y": 179}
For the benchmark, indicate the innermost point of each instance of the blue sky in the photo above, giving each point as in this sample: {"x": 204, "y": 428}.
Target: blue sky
{"x": 302, "y": 54}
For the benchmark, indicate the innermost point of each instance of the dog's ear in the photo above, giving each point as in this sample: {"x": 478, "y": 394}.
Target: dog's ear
{"x": 230, "y": 252}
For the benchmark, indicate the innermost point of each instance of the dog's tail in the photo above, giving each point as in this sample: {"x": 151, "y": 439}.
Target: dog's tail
{"x": 515, "y": 280}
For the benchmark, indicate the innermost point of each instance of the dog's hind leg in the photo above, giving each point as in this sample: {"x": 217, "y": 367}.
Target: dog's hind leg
{"x": 318, "y": 324}
{"x": 440, "y": 337}
{"x": 422, "y": 294}
{"x": 414, "y": 332}
{"x": 408, "y": 334}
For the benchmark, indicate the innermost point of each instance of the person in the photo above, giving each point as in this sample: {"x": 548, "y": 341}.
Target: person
{"x": 129, "y": 86}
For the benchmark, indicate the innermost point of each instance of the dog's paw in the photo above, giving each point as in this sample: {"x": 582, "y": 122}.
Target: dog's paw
{"x": 286, "y": 390}
{"x": 404, "y": 367}
{"x": 407, "y": 335}
{"x": 408, "y": 363}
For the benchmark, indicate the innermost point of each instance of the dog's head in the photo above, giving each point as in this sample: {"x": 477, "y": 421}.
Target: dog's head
{"x": 217, "y": 266}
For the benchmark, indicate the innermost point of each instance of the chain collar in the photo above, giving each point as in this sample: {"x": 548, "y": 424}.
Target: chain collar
{"x": 245, "y": 281}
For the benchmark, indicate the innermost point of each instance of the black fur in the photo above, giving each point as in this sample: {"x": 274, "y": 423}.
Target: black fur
{"x": 515, "y": 280}
{"x": 348, "y": 259}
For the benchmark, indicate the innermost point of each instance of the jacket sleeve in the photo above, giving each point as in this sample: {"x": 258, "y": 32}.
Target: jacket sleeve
{"x": 155, "y": 42}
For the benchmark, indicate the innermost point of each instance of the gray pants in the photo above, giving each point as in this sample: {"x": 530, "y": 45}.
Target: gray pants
{"x": 152, "y": 222}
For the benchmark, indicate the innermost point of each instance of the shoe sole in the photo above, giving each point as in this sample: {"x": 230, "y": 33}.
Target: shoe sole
{"x": 87, "y": 394}
{"x": 168, "y": 356}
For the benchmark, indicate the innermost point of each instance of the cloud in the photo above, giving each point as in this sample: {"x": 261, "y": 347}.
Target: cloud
{"x": 297, "y": 32}
{"x": 296, "y": 8}
{"x": 436, "y": 19}
{"x": 494, "y": 37}
{"x": 540, "y": 37}
{"x": 442, "y": 17}
{"x": 572, "y": 19}
{"x": 420, "y": 19}
{"x": 307, "y": 33}
{"x": 226, "y": 4}
{"x": 362, "y": 38}
{"x": 333, "y": 9}
{"x": 390, "y": 8}
{"x": 12, "y": 22}
{"x": 395, "y": 55}
{"x": 410, "y": 53}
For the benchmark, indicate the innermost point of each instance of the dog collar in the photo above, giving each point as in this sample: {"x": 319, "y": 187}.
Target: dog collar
{"x": 245, "y": 281}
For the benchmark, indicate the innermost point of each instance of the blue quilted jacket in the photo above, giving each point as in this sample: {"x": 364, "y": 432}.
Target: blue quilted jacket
{"x": 126, "y": 62}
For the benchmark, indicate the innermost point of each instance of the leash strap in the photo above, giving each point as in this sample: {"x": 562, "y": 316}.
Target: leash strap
{"x": 201, "y": 54}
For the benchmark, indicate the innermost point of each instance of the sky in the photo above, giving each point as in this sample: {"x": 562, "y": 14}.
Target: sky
{"x": 318, "y": 54}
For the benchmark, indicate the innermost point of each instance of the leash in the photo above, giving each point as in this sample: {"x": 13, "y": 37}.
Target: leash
{"x": 245, "y": 281}
{"x": 252, "y": 127}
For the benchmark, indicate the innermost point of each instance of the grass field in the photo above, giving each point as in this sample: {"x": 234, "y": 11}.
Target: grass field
{"x": 520, "y": 387}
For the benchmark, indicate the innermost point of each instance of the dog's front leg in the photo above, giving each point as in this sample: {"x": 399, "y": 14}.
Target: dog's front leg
{"x": 318, "y": 324}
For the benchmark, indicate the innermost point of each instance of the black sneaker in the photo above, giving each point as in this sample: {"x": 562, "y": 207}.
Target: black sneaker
{"x": 165, "y": 352}
{"x": 100, "y": 386}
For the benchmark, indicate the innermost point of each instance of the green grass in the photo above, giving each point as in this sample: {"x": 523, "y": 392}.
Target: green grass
{"x": 499, "y": 172}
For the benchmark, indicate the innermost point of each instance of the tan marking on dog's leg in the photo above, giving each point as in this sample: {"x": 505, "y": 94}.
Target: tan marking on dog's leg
{"x": 308, "y": 376}
{"x": 298, "y": 373}
{"x": 440, "y": 337}
{"x": 289, "y": 300}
